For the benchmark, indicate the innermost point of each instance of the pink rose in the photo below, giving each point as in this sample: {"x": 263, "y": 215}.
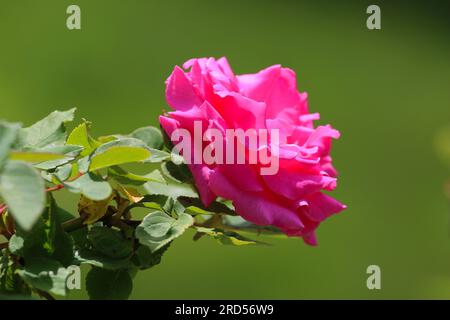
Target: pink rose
{"x": 292, "y": 199}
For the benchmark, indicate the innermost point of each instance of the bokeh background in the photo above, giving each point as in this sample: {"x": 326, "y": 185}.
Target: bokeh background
{"x": 387, "y": 91}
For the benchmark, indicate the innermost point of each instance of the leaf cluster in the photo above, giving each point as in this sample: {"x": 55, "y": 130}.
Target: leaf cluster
{"x": 106, "y": 229}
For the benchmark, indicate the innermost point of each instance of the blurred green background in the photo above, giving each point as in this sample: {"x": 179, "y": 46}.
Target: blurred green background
{"x": 387, "y": 91}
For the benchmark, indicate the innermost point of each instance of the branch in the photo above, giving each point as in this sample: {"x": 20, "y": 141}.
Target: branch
{"x": 55, "y": 188}
{"x": 73, "y": 224}
{"x": 45, "y": 295}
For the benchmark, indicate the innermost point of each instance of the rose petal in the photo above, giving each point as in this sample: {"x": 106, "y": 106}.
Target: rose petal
{"x": 180, "y": 93}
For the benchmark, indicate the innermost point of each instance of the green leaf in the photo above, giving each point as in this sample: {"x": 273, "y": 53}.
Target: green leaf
{"x": 110, "y": 243}
{"x": 45, "y": 274}
{"x": 244, "y": 226}
{"x": 166, "y": 204}
{"x": 49, "y": 131}
{"x": 157, "y": 156}
{"x": 170, "y": 187}
{"x": 177, "y": 208}
{"x": 151, "y": 136}
{"x": 23, "y": 190}
{"x": 124, "y": 177}
{"x": 193, "y": 210}
{"x": 97, "y": 259}
{"x": 144, "y": 258}
{"x": 119, "y": 152}
{"x": 107, "y": 249}
{"x": 104, "y": 284}
{"x": 35, "y": 157}
{"x": 8, "y": 134}
{"x": 158, "y": 229}
{"x": 179, "y": 173}
{"x": 16, "y": 245}
{"x": 195, "y": 207}
{"x": 10, "y": 281}
{"x": 161, "y": 203}
{"x": 157, "y": 202}
{"x": 228, "y": 237}
{"x": 66, "y": 172}
{"x": 83, "y": 164}
{"x": 112, "y": 137}
{"x": 91, "y": 186}
{"x": 69, "y": 152}
{"x": 80, "y": 137}
{"x": 46, "y": 239}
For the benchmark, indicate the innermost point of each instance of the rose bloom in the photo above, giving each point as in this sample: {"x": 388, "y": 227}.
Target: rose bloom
{"x": 292, "y": 199}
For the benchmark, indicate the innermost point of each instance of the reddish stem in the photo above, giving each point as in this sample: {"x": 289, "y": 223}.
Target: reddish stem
{"x": 55, "y": 188}
{"x": 61, "y": 186}
{"x": 3, "y": 208}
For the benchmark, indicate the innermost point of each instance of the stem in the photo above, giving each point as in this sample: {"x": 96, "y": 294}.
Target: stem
{"x": 3, "y": 208}
{"x": 77, "y": 223}
{"x": 73, "y": 224}
{"x": 132, "y": 223}
{"x": 61, "y": 186}
{"x": 55, "y": 188}
{"x": 45, "y": 295}
{"x": 121, "y": 224}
